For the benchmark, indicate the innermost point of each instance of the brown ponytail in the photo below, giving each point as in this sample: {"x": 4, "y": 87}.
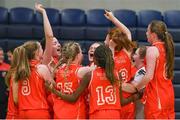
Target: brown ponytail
{"x": 160, "y": 29}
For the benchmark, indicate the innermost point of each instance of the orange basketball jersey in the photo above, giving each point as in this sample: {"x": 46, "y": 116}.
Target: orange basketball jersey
{"x": 68, "y": 82}
{"x": 32, "y": 93}
{"x": 159, "y": 91}
{"x": 123, "y": 65}
{"x": 103, "y": 96}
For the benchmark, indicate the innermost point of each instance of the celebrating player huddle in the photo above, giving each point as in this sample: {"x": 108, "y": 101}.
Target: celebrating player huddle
{"x": 122, "y": 81}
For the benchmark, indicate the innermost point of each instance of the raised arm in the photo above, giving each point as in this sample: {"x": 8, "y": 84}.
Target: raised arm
{"x": 75, "y": 95}
{"x": 48, "y": 34}
{"x": 109, "y": 15}
{"x": 128, "y": 87}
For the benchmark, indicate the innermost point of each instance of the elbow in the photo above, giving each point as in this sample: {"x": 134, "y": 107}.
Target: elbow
{"x": 49, "y": 36}
{"x": 73, "y": 99}
{"x": 129, "y": 35}
{"x": 149, "y": 77}
{"x": 123, "y": 103}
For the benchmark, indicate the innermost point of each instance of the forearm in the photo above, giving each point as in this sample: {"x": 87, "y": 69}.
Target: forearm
{"x": 47, "y": 27}
{"x": 73, "y": 97}
{"x": 122, "y": 27}
{"x": 49, "y": 39}
{"x": 145, "y": 80}
{"x": 127, "y": 87}
{"x": 132, "y": 98}
{"x": 66, "y": 97}
{"x": 125, "y": 101}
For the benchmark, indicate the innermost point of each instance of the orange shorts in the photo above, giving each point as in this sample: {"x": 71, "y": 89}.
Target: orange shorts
{"x": 159, "y": 114}
{"x": 105, "y": 114}
{"x": 11, "y": 116}
{"x": 68, "y": 114}
{"x": 34, "y": 114}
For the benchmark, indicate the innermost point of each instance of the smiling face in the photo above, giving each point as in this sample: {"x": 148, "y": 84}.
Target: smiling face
{"x": 91, "y": 51}
{"x": 150, "y": 35}
{"x": 136, "y": 57}
{"x": 56, "y": 52}
{"x": 139, "y": 56}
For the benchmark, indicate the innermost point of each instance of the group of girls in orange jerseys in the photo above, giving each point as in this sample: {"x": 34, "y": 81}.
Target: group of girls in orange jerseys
{"x": 53, "y": 83}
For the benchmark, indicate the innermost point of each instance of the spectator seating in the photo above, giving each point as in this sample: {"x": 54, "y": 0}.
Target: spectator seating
{"x": 73, "y": 22}
{"x": 20, "y": 23}
{"x": 172, "y": 18}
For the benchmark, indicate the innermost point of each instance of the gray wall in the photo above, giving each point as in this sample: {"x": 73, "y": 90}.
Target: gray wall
{"x": 161, "y": 5}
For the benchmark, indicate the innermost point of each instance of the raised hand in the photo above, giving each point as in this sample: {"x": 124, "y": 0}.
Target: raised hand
{"x": 39, "y": 8}
{"x": 109, "y": 15}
